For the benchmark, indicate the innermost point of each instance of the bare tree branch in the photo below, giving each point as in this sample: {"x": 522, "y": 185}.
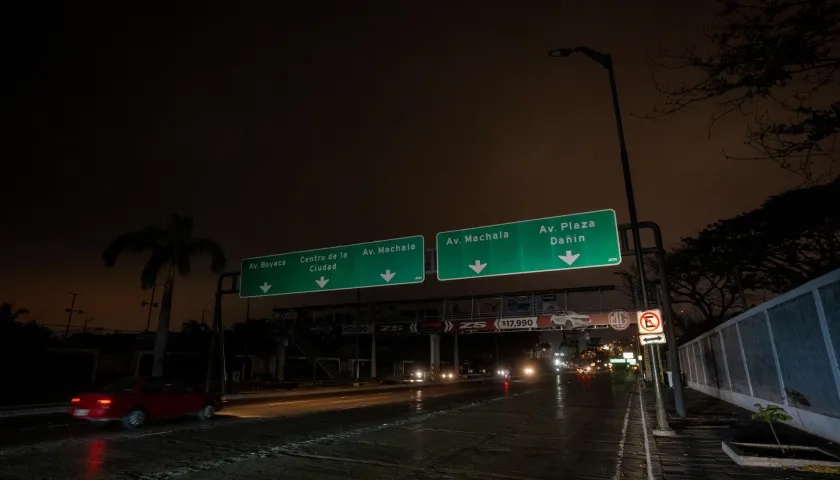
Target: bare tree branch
{"x": 774, "y": 61}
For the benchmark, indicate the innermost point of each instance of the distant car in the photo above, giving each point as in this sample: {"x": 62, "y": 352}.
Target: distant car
{"x": 415, "y": 376}
{"x": 135, "y": 400}
{"x": 569, "y": 319}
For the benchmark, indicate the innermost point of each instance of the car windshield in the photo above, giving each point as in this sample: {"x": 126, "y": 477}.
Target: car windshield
{"x": 122, "y": 385}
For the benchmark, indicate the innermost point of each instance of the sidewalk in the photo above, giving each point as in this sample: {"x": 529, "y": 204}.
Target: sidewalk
{"x": 696, "y": 453}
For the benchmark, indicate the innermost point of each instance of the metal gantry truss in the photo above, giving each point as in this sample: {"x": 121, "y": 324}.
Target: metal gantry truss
{"x": 466, "y": 308}
{"x": 486, "y": 306}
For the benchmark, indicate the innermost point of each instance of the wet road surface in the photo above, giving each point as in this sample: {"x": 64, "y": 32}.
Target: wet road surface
{"x": 559, "y": 427}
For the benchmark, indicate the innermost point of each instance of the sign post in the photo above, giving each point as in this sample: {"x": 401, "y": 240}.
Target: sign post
{"x": 651, "y": 334}
{"x": 375, "y": 264}
{"x": 580, "y": 240}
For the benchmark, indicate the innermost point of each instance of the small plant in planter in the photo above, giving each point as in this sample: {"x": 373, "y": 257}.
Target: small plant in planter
{"x": 770, "y": 414}
{"x": 750, "y": 454}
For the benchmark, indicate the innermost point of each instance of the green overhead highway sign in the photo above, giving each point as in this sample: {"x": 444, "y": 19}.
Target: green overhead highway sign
{"x": 375, "y": 264}
{"x": 580, "y": 240}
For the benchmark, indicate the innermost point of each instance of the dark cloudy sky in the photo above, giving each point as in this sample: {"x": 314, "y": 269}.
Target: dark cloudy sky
{"x": 283, "y": 128}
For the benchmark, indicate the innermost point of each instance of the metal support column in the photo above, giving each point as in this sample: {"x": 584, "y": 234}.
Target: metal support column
{"x": 455, "y": 359}
{"x": 496, "y": 340}
{"x": 372, "y": 346}
{"x": 218, "y": 330}
{"x": 667, "y": 323}
{"x": 356, "y": 368}
{"x": 434, "y": 353}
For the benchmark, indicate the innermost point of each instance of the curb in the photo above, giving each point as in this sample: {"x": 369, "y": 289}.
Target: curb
{"x": 42, "y": 410}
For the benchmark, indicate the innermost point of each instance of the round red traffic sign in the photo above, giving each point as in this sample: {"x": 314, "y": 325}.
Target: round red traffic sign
{"x": 619, "y": 319}
{"x": 649, "y": 322}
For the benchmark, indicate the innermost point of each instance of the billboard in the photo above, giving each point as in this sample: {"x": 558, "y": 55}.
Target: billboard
{"x": 561, "y": 320}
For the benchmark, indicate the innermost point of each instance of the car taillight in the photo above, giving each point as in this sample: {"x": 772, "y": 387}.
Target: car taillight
{"x": 104, "y": 401}
{"x": 75, "y": 400}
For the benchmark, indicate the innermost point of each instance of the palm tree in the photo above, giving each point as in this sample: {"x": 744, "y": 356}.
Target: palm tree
{"x": 171, "y": 249}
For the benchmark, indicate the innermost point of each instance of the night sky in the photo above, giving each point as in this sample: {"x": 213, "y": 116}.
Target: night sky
{"x": 283, "y": 129}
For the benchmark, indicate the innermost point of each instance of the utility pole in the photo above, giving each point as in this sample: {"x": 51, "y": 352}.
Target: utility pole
{"x": 205, "y": 311}
{"x": 70, "y": 311}
{"x": 151, "y": 304}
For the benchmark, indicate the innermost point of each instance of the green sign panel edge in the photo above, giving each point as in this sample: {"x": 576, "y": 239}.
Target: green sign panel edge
{"x": 437, "y": 247}
{"x": 387, "y": 284}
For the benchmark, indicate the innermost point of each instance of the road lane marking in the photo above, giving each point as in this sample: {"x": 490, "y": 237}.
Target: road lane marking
{"x": 402, "y": 466}
{"x": 152, "y": 434}
{"x": 281, "y": 449}
{"x": 620, "y": 456}
{"x": 644, "y": 430}
{"x": 284, "y": 403}
{"x": 314, "y": 403}
{"x": 245, "y": 417}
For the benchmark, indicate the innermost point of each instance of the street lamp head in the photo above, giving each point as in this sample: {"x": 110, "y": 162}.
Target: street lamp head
{"x": 602, "y": 58}
{"x": 561, "y": 52}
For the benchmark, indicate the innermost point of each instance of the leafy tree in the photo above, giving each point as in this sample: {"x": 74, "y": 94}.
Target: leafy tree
{"x": 9, "y": 315}
{"x": 256, "y": 336}
{"x": 792, "y": 238}
{"x": 193, "y": 326}
{"x": 18, "y": 338}
{"x": 772, "y": 60}
{"x": 171, "y": 250}
{"x": 700, "y": 279}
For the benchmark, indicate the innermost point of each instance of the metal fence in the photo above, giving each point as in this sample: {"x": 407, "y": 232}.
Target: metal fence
{"x": 784, "y": 352}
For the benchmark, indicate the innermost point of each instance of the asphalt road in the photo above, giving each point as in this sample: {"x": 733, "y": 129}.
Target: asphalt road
{"x": 558, "y": 427}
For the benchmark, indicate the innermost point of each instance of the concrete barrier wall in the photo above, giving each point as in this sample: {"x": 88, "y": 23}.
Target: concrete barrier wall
{"x": 783, "y": 352}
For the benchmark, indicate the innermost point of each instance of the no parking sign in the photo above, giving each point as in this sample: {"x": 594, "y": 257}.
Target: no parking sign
{"x": 650, "y": 321}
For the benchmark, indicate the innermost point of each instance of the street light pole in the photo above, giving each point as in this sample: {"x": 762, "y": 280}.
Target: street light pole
{"x": 605, "y": 60}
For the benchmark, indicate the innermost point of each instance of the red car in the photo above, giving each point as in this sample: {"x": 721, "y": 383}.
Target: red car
{"x": 135, "y": 400}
